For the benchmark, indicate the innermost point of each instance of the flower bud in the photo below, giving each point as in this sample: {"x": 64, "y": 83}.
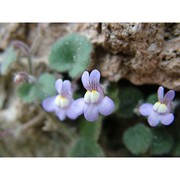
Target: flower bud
{"x": 23, "y": 77}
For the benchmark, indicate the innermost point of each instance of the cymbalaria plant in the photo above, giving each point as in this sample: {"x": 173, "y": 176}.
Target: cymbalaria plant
{"x": 94, "y": 101}
{"x": 70, "y": 56}
{"x": 161, "y": 111}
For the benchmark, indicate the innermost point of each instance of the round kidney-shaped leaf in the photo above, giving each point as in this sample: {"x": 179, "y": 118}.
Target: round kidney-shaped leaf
{"x": 138, "y": 139}
{"x": 86, "y": 147}
{"x": 70, "y": 53}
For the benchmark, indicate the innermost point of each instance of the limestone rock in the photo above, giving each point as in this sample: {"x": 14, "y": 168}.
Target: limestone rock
{"x": 144, "y": 53}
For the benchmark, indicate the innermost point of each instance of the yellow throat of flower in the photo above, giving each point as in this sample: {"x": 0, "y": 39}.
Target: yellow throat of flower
{"x": 160, "y": 107}
{"x": 61, "y": 101}
{"x": 91, "y": 96}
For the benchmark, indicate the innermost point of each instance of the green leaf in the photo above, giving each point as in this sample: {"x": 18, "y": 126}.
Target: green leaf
{"x": 162, "y": 142}
{"x": 176, "y": 150}
{"x": 45, "y": 86}
{"x": 138, "y": 139}
{"x": 86, "y": 147}
{"x": 152, "y": 98}
{"x": 27, "y": 92}
{"x": 176, "y": 147}
{"x": 91, "y": 130}
{"x": 71, "y": 53}
{"x": 129, "y": 98}
{"x": 8, "y": 57}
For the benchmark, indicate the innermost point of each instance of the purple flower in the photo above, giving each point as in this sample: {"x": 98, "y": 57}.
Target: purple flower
{"x": 161, "y": 110}
{"x": 61, "y": 103}
{"x": 94, "y": 101}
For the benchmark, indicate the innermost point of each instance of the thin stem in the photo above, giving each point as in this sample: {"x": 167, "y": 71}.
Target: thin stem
{"x": 35, "y": 45}
{"x": 24, "y": 48}
{"x": 32, "y": 122}
{"x": 41, "y": 30}
{"x": 30, "y": 65}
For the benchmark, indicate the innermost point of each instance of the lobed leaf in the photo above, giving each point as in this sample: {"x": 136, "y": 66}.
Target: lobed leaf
{"x": 46, "y": 86}
{"x": 138, "y": 139}
{"x": 71, "y": 53}
{"x": 86, "y": 147}
{"x": 162, "y": 142}
{"x": 27, "y": 92}
{"x": 38, "y": 91}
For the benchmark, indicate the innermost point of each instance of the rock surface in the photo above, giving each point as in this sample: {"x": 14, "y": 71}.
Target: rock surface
{"x": 143, "y": 53}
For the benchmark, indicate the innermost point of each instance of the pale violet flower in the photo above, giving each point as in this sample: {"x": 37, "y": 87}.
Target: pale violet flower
{"x": 61, "y": 103}
{"x": 94, "y": 101}
{"x": 161, "y": 111}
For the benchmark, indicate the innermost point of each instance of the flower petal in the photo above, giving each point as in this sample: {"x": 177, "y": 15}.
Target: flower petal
{"x": 100, "y": 89}
{"x": 166, "y": 119}
{"x": 85, "y": 80}
{"x": 61, "y": 114}
{"x": 58, "y": 85}
{"x": 91, "y": 112}
{"x": 153, "y": 118}
{"x": 94, "y": 79}
{"x": 106, "y": 107}
{"x": 66, "y": 88}
{"x": 169, "y": 96}
{"x": 169, "y": 107}
{"x": 49, "y": 104}
{"x": 145, "y": 109}
{"x": 160, "y": 93}
{"x": 76, "y": 108}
